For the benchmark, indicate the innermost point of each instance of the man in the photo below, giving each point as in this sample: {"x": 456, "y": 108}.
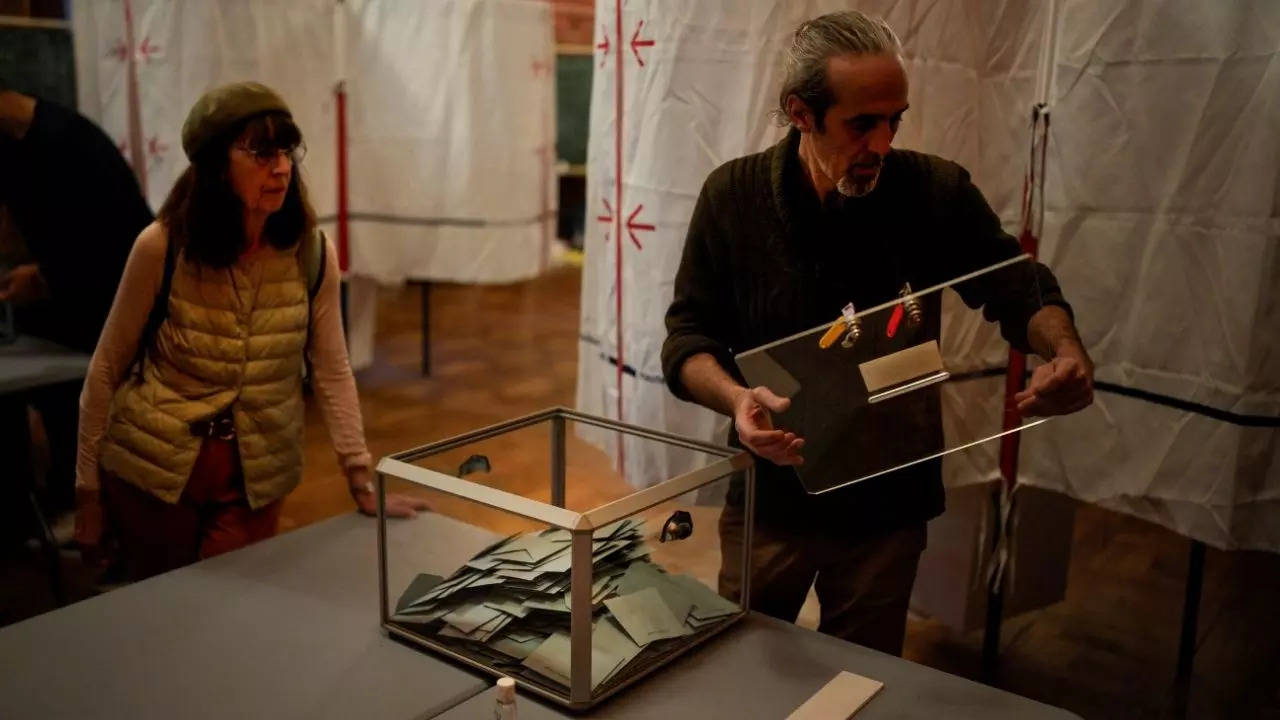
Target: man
{"x": 77, "y": 207}
{"x": 778, "y": 243}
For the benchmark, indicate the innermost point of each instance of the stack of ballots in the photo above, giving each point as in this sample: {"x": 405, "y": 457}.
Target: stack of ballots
{"x": 509, "y": 605}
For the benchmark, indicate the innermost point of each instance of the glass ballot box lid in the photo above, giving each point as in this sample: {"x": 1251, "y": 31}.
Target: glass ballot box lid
{"x": 908, "y": 381}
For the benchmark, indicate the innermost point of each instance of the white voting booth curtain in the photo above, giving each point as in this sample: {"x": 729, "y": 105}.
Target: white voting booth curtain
{"x": 451, "y": 139}
{"x": 451, "y": 145}
{"x": 1160, "y": 223}
{"x": 179, "y": 49}
{"x": 450, "y": 109}
{"x": 696, "y": 97}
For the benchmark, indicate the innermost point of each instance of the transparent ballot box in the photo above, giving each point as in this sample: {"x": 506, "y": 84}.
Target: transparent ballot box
{"x": 538, "y": 559}
{"x": 907, "y": 381}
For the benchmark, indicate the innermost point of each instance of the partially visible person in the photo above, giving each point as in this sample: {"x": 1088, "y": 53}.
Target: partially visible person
{"x": 74, "y": 206}
{"x": 76, "y": 203}
{"x": 192, "y": 414}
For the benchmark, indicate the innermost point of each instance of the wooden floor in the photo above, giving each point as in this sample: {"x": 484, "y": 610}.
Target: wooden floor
{"x": 1107, "y": 651}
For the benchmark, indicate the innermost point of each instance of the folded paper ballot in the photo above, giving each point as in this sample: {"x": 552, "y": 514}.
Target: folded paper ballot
{"x": 646, "y": 617}
{"x": 510, "y": 604}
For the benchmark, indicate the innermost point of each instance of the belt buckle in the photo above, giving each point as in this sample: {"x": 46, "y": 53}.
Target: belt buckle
{"x": 223, "y": 429}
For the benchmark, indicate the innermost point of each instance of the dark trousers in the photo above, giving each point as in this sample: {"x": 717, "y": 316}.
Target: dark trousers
{"x": 212, "y": 516}
{"x": 863, "y": 583}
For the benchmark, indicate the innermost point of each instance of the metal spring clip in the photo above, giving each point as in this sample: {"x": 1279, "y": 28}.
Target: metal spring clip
{"x": 849, "y": 325}
{"x": 914, "y": 310}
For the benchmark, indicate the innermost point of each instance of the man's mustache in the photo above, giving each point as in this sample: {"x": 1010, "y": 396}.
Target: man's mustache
{"x": 874, "y": 162}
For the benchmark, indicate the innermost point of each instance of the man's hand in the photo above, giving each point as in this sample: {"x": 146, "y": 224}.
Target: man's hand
{"x": 363, "y": 492}
{"x": 1064, "y": 384}
{"x": 1059, "y": 387}
{"x": 22, "y": 285}
{"x": 752, "y": 417}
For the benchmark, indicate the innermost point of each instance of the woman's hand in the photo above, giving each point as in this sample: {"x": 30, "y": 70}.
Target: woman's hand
{"x": 89, "y": 528}
{"x": 360, "y": 480}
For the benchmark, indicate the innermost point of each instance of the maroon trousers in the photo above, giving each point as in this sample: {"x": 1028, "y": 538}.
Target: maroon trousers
{"x": 212, "y": 516}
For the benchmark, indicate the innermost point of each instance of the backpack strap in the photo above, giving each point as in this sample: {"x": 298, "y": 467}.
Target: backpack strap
{"x": 159, "y": 311}
{"x": 314, "y": 259}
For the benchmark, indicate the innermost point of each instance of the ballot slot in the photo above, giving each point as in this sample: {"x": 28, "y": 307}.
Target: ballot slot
{"x": 908, "y": 380}
{"x": 907, "y": 387}
{"x": 575, "y": 600}
{"x": 901, "y": 372}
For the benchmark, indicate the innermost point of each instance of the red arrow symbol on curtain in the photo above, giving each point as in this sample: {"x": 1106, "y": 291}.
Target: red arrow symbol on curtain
{"x": 637, "y": 43}
{"x": 607, "y": 218}
{"x": 118, "y": 51}
{"x": 603, "y": 45}
{"x": 155, "y": 148}
{"x": 146, "y": 50}
{"x": 632, "y": 226}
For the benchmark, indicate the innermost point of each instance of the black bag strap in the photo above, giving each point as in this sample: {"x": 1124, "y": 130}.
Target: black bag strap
{"x": 314, "y": 263}
{"x": 159, "y": 311}
{"x": 315, "y": 257}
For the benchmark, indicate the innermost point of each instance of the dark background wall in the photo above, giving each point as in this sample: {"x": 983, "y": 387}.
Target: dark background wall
{"x": 35, "y": 49}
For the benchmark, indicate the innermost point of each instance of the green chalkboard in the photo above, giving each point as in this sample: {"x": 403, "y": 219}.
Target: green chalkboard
{"x": 573, "y": 106}
{"x": 38, "y": 61}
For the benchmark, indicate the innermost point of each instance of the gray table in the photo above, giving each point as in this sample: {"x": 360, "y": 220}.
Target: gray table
{"x": 765, "y": 668}
{"x": 30, "y": 362}
{"x": 287, "y": 628}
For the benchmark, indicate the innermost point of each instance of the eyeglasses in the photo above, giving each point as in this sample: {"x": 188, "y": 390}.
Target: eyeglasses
{"x": 265, "y": 156}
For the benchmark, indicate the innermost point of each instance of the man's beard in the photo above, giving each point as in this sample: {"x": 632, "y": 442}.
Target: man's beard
{"x": 851, "y": 185}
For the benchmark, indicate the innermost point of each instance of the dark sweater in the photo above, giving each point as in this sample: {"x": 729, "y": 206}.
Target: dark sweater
{"x": 764, "y": 259}
{"x": 76, "y": 202}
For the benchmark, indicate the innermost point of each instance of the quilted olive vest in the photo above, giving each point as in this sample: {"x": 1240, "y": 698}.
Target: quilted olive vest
{"x": 233, "y": 338}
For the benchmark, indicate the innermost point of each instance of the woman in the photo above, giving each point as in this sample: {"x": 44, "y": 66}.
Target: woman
{"x": 191, "y": 416}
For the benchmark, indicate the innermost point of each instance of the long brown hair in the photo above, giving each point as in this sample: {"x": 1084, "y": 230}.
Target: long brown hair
{"x": 204, "y": 216}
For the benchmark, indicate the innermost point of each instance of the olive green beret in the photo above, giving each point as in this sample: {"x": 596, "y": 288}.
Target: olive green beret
{"x": 219, "y": 109}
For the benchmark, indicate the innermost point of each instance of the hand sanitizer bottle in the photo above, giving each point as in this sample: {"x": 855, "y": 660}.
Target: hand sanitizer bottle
{"x": 505, "y": 707}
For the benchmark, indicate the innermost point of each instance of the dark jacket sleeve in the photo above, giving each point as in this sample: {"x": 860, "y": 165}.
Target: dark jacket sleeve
{"x": 699, "y": 319}
{"x": 105, "y": 209}
{"x": 976, "y": 240}
{"x": 84, "y": 209}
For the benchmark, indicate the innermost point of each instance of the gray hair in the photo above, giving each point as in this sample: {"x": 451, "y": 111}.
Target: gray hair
{"x": 818, "y": 40}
